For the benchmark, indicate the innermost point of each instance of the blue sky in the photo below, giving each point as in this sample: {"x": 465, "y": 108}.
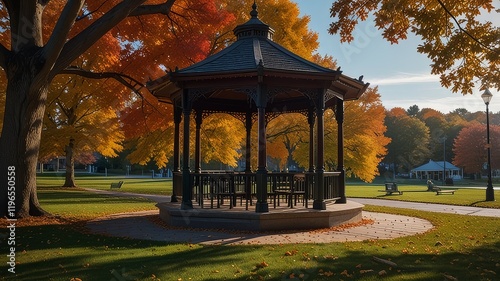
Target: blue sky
{"x": 401, "y": 73}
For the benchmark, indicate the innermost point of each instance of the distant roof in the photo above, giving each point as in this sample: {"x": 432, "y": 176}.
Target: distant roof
{"x": 435, "y": 166}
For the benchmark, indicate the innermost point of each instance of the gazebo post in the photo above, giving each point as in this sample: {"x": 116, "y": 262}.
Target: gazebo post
{"x": 177, "y": 122}
{"x": 187, "y": 192}
{"x": 311, "y": 119}
{"x": 177, "y": 160}
{"x": 197, "y": 159}
{"x": 248, "y": 145}
{"x": 319, "y": 199}
{"x": 262, "y": 206}
{"x": 339, "y": 115}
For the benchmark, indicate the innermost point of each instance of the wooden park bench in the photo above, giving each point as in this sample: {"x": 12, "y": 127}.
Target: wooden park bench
{"x": 390, "y": 188}
{"x": 439, "y": 191}
{"x": 116, "y": 184}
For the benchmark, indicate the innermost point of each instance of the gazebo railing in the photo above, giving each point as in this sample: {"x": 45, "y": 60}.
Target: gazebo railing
{"x": 227, "y": 188}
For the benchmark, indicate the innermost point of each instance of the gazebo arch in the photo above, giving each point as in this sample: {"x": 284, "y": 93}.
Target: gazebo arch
{"x": 253, "y": 79}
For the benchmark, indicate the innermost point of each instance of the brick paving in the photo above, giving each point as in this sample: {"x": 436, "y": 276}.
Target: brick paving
{"x": 144, "y": 225}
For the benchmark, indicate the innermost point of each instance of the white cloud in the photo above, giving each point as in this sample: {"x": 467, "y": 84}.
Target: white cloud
{"x": 405, "y": 78}
{"x": 445, "y": 105}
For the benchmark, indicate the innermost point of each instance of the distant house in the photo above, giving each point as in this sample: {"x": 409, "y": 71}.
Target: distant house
{"x": 434, "y": 171}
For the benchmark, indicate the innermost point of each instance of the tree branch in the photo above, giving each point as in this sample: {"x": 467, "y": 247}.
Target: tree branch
{"x": 163, "y": 9}
{"x": 462, "y": 29}
{"x": 122, "y": 78}
{"x": 4, "y": 54}
{"x": 13, "y": 12}
{"x": 85, "y": 39}
{"x": 90, "y": 13}
{"x": 58, "y": 37}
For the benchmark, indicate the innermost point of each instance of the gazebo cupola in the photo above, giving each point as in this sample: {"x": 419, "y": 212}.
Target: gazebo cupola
{"x": 254, "y": 27}
{"x": 255, "y": 79}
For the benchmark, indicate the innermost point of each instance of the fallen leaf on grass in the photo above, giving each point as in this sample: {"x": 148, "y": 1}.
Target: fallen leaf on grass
{"x": 449, "y": 277}
{"x": 262, "y": 265}
{"x": 345, "y": 273}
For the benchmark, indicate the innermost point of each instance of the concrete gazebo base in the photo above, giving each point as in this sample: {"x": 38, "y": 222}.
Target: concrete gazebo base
{"x": 281, "y": 218}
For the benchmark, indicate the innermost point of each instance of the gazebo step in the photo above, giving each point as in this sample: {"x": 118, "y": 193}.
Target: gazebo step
{"x": 277, "y": 219}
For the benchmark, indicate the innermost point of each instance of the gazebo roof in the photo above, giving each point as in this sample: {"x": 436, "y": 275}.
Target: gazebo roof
{"x": 252, "y": 59}
{"x": 435, "y": 166}
{"x": 247, "y": 54}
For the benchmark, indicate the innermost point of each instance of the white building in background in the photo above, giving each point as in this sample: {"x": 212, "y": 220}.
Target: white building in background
{"x": 434, "y": 171}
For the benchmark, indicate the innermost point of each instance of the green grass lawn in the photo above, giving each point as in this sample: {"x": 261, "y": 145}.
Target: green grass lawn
{"x": 145, "y": 185}
{"x": 77, "y": 203}
{"x": 419, "y": 193}
{"x": 415, "y": 192}
{"x": 464, "y": 247}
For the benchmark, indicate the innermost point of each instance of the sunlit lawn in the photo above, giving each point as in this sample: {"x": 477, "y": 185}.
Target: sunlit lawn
{"x": 77, "y": 203}
{"x": 146, "y": 185}
{"x": 419, "y": 193}
{"x": 463, "y": 247}
{"x": 162, "y": 186}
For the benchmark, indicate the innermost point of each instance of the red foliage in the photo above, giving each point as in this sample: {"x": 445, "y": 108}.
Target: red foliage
{"x": 470, "y": 148}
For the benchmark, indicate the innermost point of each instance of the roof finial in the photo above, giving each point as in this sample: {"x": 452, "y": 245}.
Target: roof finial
{"x": 254, "y": 12}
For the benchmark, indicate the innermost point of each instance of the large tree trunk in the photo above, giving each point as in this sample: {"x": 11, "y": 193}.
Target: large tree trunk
{"x": 70, "y": 165}
{"x": 20, "y": 139}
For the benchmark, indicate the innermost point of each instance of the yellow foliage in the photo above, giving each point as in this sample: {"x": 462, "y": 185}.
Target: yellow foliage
{"x": 221, "y": 139}
{"x": 364, "y": 140}
{"x": 157, "y": 146}
{"x": 456, "y": 35}
{"x": 85, "y": 111}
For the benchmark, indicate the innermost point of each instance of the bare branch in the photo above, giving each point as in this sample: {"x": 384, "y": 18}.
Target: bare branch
{"x": 63, "y": 26}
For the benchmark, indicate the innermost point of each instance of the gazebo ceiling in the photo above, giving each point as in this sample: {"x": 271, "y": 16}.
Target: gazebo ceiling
{"x": 221, "y": 81}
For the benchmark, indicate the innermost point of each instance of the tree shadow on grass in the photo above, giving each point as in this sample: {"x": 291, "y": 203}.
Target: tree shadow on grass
{"x": 62, "y": 252}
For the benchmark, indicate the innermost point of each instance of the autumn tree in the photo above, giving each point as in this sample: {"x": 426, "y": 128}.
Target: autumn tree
{"x": 438, "y": 132}
{"x": 81, "y": 118}
{"x": 464, "y": 48}
{"x": 284, "y": 135}
{"x": 291, "y": 30}
{"x": 409, "y": 140}
{"x": 222, "y": 139}
{"x": 195, "y": 38}
{"x": 42, "y": 39}
{"x": 470, "y": 148}
{"x": 364, "y": 140}
{"x": 413, "y": 110}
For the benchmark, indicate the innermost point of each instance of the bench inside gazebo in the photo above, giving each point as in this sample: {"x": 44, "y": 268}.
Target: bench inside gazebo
{"x": 255, "y": 79}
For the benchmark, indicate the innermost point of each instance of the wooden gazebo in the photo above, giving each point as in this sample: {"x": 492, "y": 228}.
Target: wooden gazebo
{"x": 255, "y": 79}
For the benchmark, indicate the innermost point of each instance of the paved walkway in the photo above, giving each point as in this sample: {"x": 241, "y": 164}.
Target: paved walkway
{"x": 440, "y": 208}
{"x": 144, "y": 225}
